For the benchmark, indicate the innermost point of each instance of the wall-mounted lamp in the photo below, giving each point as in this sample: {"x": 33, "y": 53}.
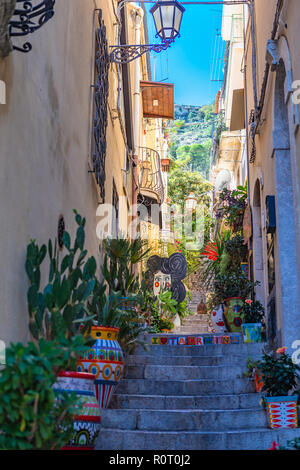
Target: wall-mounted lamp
{"x": 167, "y": 15}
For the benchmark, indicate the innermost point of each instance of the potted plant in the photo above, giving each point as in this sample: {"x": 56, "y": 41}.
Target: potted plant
{"x": 231, "y": 289}
{"x": 59, "y": 312}
{"x": 34, "y": 416}
{"x": 280, "y": 376}
{"x": 117, "y": 325}
{"x": 253, "y": 318}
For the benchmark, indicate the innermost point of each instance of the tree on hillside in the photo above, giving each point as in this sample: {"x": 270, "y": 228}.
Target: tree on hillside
{"x": 182, "y": 181}
{"x": 199, "y": 156}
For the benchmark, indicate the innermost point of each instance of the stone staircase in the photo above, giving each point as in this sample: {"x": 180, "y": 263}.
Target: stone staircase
{"x": 193, "y": 324}
{"x": 188, "y": 397}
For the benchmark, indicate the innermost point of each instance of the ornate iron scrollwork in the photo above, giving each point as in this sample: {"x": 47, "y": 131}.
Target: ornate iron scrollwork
{"x": 28, "y": 18}
{"x": 124, "y": 54}
{"x": 101, "y": 90}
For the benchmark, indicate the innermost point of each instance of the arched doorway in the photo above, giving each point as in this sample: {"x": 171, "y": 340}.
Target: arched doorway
{"x": 285, "y": 247}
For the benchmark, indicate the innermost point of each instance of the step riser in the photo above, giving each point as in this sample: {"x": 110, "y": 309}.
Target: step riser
{"x": 209, "y": 350}
{"x": 217, "y": 402}
{"x": 110, "y": 439}
{"x": 153, "y": 420}
{"x": 182, "y": 372}
{"x": 190, "y": 360}
{"x": 193, "y": 387}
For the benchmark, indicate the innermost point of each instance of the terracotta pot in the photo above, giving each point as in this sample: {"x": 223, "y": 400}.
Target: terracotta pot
{"x": 87, "y": 422}
{"x": 282, "y": 411}
{"x": 233, "y": 315}
{"x": 252, "y": 332}
{"x": 105, "y": 359}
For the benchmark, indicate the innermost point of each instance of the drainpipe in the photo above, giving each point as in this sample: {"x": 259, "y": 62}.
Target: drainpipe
{"x": 138, "y": 16}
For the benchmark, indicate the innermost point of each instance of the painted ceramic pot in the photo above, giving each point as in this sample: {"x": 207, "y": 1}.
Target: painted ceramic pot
{"x": 282, "y": 412}
{"x": 105, "y": 359}
{"x": 252, "y": 332}
{"x": 87, "y": 420}
{"x": 232, "y": 313}
{"x": 217, "y": 319}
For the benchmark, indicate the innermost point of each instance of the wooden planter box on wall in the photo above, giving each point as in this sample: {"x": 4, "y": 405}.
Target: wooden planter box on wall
{"x": 158, "y": 99}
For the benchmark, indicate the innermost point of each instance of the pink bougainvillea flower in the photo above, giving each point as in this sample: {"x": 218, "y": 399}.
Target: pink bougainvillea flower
{"x": 281, "y": 350}
{"x": 248, "y": 301}
{"x": 274, "y": 446}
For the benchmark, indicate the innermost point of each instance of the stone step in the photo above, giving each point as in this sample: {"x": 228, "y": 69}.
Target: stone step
{"x": 243, "y": 439}
{"x": 185, "y": 387}
{"x": 167, "y": 372}
{"x": 202, "y": 402}
{"x": 192, "y": 330}
{"x": 228, "y": 359}
{"x": 196, "y": 318}
{"x": 184, "y": 420}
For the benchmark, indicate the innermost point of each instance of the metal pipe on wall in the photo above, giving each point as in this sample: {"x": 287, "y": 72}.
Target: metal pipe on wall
{"x": 139, "y": 14}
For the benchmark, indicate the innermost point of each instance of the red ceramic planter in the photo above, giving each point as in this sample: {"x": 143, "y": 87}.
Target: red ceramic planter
{"x": 87, "y": 420}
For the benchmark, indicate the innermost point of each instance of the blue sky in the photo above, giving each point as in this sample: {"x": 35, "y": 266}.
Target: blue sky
{"x": 188, "y": 62}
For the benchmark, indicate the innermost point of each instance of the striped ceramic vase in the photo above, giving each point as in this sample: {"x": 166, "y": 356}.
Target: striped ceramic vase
{"x": 105, "y": 359}
{"x": 87, "y": 420}
{"x": 282, "y": 411}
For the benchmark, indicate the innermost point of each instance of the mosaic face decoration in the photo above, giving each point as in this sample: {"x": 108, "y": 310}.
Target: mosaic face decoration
{"x": 168, "y": 273}
{"x": 162, "y": 282}
{"x": 218, "y": 320}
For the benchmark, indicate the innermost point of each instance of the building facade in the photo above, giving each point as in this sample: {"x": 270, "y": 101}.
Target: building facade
{"x": 72, "y": 133}
{"x": 260, "y": 101}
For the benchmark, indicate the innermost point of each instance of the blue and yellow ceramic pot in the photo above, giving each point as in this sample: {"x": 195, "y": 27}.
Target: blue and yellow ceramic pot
{"x": 105, "y": 359}
{"x": 87, "y": 419}
{"x": 252, "y": 332}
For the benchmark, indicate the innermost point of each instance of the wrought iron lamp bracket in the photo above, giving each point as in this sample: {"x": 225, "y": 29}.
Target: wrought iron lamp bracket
{"x": 124, "y": 54}
{"x": 28, "y": 18}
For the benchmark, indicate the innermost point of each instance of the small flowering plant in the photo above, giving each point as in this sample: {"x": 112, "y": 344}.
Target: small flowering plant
{"x": 253, "y": 311}
{"x": 280, "y": 373}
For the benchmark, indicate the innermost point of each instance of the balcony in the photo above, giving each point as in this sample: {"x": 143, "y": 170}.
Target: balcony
{"x": 150, "y": 181}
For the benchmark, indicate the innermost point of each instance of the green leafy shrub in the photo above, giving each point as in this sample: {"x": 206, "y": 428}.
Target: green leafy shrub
{"x": 251, "y": 368}
{"x": 232, "y": 284}
{"x": 280, "y": 373}
{"x": 121, "y": 255}
{"x": 232, "y": 206}
{"x": 253, "y": 311}
{"x": 60, "y": 308}
{"x": 32, "y": 416}
{"x": 116, "y": 301}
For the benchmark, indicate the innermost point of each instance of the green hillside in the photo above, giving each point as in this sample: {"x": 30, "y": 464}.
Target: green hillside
{"x": 191, "y": 136}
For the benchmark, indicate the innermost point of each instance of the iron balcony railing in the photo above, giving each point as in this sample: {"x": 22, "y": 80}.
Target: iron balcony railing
{"x": 150, "y": 180}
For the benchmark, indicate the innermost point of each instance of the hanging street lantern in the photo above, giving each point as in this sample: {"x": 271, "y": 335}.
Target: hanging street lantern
{"x": 191, "y": 202}
{"x": 167, "y": 15}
